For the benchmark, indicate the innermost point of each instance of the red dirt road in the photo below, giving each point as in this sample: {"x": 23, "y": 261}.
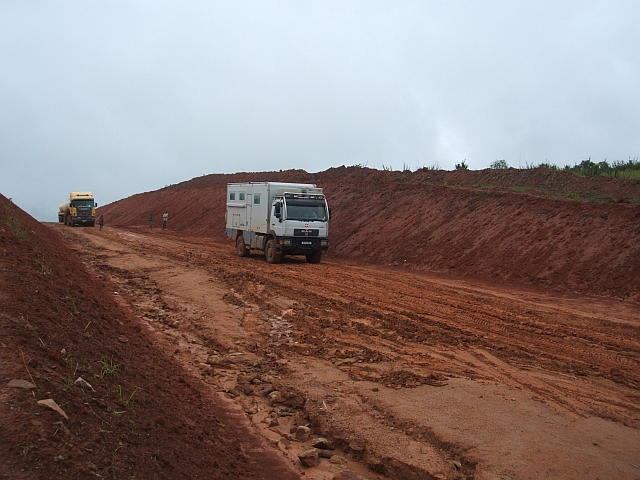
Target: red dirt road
{"x": 410, "y": 375}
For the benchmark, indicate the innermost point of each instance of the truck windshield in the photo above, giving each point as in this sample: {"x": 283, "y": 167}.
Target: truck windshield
{"x": 306, "y": 209}
{"x": 82, "y": 203}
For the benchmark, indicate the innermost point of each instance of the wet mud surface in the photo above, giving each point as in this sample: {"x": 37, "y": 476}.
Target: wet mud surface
{"x": 409, "y": 376}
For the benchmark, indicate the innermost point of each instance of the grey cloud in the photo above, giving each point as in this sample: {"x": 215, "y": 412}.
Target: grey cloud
{"x": 122, "y": 97}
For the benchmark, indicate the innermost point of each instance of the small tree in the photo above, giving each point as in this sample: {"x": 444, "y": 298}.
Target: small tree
{"x": 499, "y": 165}
{"x": 462, "y": 165}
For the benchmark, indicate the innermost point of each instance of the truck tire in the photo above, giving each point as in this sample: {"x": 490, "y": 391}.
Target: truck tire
{"x": 314, "y": 257}
{"x": 241, "y": 247}
{"x": 271, "y": 253}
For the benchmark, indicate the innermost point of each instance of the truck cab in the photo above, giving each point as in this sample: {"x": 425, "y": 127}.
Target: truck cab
{"x": 79, "y": 210}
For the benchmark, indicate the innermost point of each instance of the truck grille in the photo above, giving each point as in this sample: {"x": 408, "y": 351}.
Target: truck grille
{"x": 305, "y": 232}
{"x": 84, "y": 212}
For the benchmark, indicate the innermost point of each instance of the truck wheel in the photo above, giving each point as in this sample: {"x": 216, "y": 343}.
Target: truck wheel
{"x": 271, "y": 254}
{"x": 241, "y": 247}
{"x": 314, "y": 257}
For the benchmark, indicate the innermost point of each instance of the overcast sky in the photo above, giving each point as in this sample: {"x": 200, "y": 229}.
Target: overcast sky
{"x": 122, "y": 97}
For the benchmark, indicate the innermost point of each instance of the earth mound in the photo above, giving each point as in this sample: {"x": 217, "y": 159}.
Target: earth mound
{"x": 534, "y": 227}
{"x": 96, "y": 397}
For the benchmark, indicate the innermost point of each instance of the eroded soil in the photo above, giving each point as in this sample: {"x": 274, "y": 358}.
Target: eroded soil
{"x": 409, "y": 375}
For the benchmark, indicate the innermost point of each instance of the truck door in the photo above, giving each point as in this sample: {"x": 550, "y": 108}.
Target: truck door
{"x": 277, "y": 214}
{"x": 249, "y": 212}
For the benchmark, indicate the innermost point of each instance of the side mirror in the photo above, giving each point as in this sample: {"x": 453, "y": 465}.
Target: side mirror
{"x": 329, "y": 214}
{"x": 95, "y": 205}
{"x": 277, "y": 211}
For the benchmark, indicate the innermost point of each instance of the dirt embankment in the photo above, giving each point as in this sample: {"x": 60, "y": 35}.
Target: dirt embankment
{"x": 528, "y": 227}
{"x": 139, "y": 414}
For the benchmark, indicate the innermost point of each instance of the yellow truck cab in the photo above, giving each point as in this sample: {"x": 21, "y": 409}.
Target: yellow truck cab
{"x": 79, "y": 210}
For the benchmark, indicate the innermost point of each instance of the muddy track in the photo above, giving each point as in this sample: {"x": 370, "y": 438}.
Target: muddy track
{"x": 408, "y": 314}
{"x": 411, "y": 375}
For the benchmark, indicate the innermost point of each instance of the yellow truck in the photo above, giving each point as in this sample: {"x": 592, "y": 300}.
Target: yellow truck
{"x": 79, "y": 210}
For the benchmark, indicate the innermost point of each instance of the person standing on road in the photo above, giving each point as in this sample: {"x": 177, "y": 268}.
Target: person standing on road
{"x": 101, "y": 221}
{"x": 165, "y": 219}
{"x": 151, "y": 221}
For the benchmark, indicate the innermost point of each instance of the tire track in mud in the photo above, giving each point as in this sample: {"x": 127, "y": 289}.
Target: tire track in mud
{"x": 430, "y": 315}
{"x": 539, "y": 337}
{"x": 544, "y": 339}
{"x": 456, "y": 321}
{"x": 554, "y": 343}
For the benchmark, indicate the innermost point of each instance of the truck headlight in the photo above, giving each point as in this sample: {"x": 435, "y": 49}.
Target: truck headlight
{"x": 324, "y": 243}
{"x": 287, "y": 243}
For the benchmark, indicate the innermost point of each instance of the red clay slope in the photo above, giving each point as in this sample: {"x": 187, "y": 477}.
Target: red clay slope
{"x": 524, "y": 227}
{"x": 146, "y": 419}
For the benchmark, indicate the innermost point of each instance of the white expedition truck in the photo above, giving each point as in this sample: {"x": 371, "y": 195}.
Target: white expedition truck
{"x": 278, "y": 219}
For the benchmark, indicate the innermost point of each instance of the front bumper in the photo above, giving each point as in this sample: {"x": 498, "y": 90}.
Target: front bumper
{"x": 301, "y": 245}
{"x": 84, "y": 221}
